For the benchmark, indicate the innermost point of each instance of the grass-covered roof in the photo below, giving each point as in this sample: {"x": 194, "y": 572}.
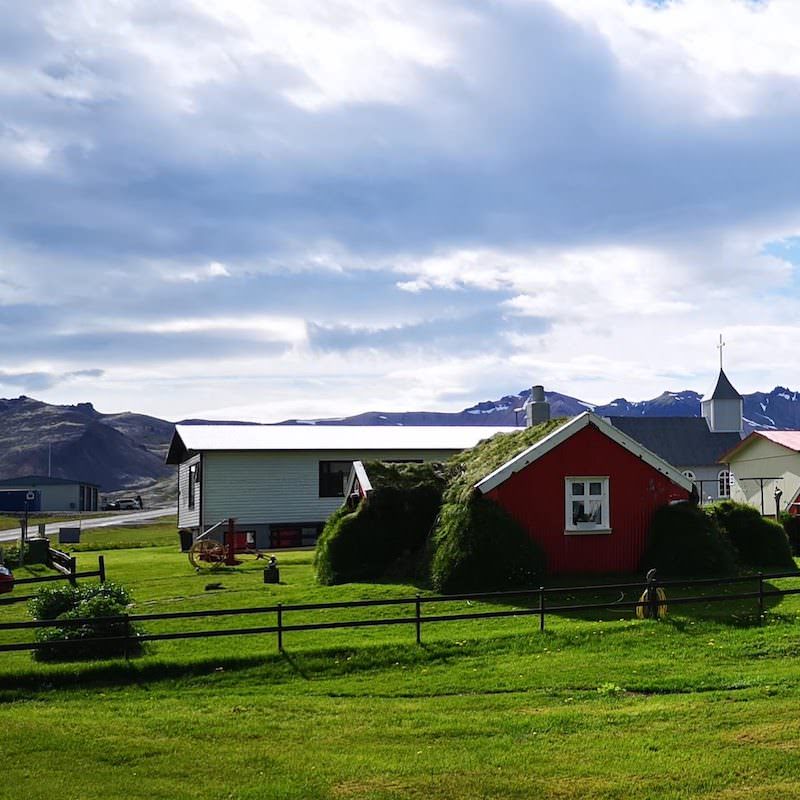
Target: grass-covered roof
{"x": 470, "y": 466}
{"x": 404, "y": 475}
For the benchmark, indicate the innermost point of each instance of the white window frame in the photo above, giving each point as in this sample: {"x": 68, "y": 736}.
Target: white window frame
{"x": 583, "y": 528}
{"x": 724, "y": 481}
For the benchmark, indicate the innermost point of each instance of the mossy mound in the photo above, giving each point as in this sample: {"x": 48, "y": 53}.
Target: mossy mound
{"x": 477, "y": 546}
{"x": 759, "y": 542}
{"x": 388, "y": 529}
{"x": 685, "y": 541}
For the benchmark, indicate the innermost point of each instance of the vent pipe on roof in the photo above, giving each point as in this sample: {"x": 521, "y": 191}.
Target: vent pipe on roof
{"x": 537, "y": 409}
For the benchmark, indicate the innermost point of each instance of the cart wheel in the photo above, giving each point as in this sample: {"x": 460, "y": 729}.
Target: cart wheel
{"x": 207, "y": 554}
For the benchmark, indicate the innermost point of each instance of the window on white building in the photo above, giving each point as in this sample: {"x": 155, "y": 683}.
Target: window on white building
{"x": 194, "y": 474}
{"x": 724, "y": 479}
{"x": 587, "y": 505}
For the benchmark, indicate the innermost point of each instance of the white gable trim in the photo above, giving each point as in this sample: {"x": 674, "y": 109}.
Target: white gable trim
{"x": 358, "y": 473}
{"x": 568, "y": 429}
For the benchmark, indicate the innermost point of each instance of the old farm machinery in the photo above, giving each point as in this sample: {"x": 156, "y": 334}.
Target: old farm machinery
{"x": 222, "y": 545}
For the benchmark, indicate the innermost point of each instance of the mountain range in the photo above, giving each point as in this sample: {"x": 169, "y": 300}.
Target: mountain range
{"x": 127, "y": 450}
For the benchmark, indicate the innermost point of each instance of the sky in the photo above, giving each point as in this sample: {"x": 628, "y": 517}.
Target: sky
{"x": 268, "y": 209}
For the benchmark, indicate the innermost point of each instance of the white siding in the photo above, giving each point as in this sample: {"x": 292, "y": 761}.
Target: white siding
{"x": 764, "y": 459}
{"x": 188, "y": 517}
{"x": 276, "y": 487}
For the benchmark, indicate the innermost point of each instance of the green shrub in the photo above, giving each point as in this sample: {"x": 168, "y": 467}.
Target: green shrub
{"x": 791, "y": 524}
{"x": 479, "y": 547}
{"x": 96, "y": 602}
{"x": 9, "y": 555}
{"x": 387, "y": 531}
{"x": 759, "y": 542}
{"x": 684, "y": 541}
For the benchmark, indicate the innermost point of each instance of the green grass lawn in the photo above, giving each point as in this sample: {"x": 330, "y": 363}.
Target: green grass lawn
{"x": 703, "y": 704}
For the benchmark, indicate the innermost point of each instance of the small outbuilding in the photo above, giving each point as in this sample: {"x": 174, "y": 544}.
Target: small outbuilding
{"x": 586, "y": 493}
{"x": 49, "y": 494}
{"x": 762, "y": 463}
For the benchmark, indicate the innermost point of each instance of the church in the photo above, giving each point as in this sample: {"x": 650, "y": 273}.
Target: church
{"x": 695, "y": 445}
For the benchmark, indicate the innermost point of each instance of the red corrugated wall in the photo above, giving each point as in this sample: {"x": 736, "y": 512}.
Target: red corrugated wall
{"x": 535, "y": 496}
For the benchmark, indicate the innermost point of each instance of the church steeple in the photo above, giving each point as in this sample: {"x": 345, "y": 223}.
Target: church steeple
{"x": 723, "y": 408}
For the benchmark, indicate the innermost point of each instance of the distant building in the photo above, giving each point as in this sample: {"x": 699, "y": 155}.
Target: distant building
{"x": 695, "y": 445}
{"x": 50, "y": 494}
{"x": 760, "y": 464}
{"x": 281, "y": 482}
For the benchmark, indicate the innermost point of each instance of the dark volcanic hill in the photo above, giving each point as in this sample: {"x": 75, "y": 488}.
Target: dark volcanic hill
{"x": 120, "y": 451}
{"x": 111, "y": 450}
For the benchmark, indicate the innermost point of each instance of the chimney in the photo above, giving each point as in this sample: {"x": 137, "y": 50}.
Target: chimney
{"x": 537, "y": 409}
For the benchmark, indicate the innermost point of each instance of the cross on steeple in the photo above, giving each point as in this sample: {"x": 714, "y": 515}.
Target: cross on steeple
{"x": 719, "y": 347}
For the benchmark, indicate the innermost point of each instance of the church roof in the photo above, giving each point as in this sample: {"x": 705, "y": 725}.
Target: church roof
{"x": 681, "y": 441}
{"x": 724, "y": 389}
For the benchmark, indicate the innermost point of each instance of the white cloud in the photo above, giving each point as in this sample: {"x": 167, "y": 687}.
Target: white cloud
{"x": 206, "y": 273}
{"x": 598, "y": 180}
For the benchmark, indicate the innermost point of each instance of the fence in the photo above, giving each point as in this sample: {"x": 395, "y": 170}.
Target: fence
{"x": 67, "y": 569}
{"x": 539, "y": 596}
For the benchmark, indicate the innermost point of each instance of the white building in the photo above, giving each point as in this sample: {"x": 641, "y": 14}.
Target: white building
{"x": 281, "y": 482}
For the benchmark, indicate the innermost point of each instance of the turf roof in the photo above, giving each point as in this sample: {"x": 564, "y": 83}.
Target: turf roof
{"x": 404, "y": 475}
{"x": 470, "y": 466}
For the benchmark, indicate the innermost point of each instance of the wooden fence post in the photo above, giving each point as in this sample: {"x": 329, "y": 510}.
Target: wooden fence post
{"x": 101, "y": 568}
{"x": 760, "y": 598}
{"x": 541, "y": 608}
{"x": 280, "y": 627}
{"x": 126, "y": 644}
{"x": 73, "y": 568}
{"x": 418, "y": 620}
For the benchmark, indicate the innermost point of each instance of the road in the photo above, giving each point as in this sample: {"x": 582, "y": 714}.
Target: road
{"x": 93, "y": 522}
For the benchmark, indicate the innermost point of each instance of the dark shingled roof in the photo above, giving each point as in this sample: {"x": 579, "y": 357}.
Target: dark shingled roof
{"x": 724, "y": 389}
{"x": 680, "y": 441}
{"x": 41, "y": 480}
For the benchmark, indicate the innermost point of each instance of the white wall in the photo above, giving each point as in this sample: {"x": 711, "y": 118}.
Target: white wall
{"x": 765, "y": 459}
{"x": 277, "y": 487}
{"x": 188, "y": 517}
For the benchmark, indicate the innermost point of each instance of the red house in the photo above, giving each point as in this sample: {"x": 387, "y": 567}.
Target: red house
{"x": 586, "y": 493}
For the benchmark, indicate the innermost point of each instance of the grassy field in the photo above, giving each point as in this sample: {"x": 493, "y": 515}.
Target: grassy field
{"x": 700, "y": 705}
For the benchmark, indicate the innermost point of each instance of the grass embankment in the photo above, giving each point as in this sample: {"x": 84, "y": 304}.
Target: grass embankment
{"x": 702, "y": 705}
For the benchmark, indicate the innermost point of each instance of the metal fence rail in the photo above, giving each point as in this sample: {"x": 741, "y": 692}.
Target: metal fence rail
{"x": 541, "y": 609}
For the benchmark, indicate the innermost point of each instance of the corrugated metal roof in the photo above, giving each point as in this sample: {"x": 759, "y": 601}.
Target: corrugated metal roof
{"x": 790, "y": 439}
{"x": 681, "y": 441}
{"x": 328, "y": 437}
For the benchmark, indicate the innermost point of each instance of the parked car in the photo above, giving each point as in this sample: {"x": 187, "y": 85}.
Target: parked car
{"x": 128, "y": 504}
{"x": 110, "y": 505}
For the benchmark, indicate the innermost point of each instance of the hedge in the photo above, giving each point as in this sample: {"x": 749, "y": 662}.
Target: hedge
{"x": 759, "y": 542}
{"x": 684, "y": 541}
